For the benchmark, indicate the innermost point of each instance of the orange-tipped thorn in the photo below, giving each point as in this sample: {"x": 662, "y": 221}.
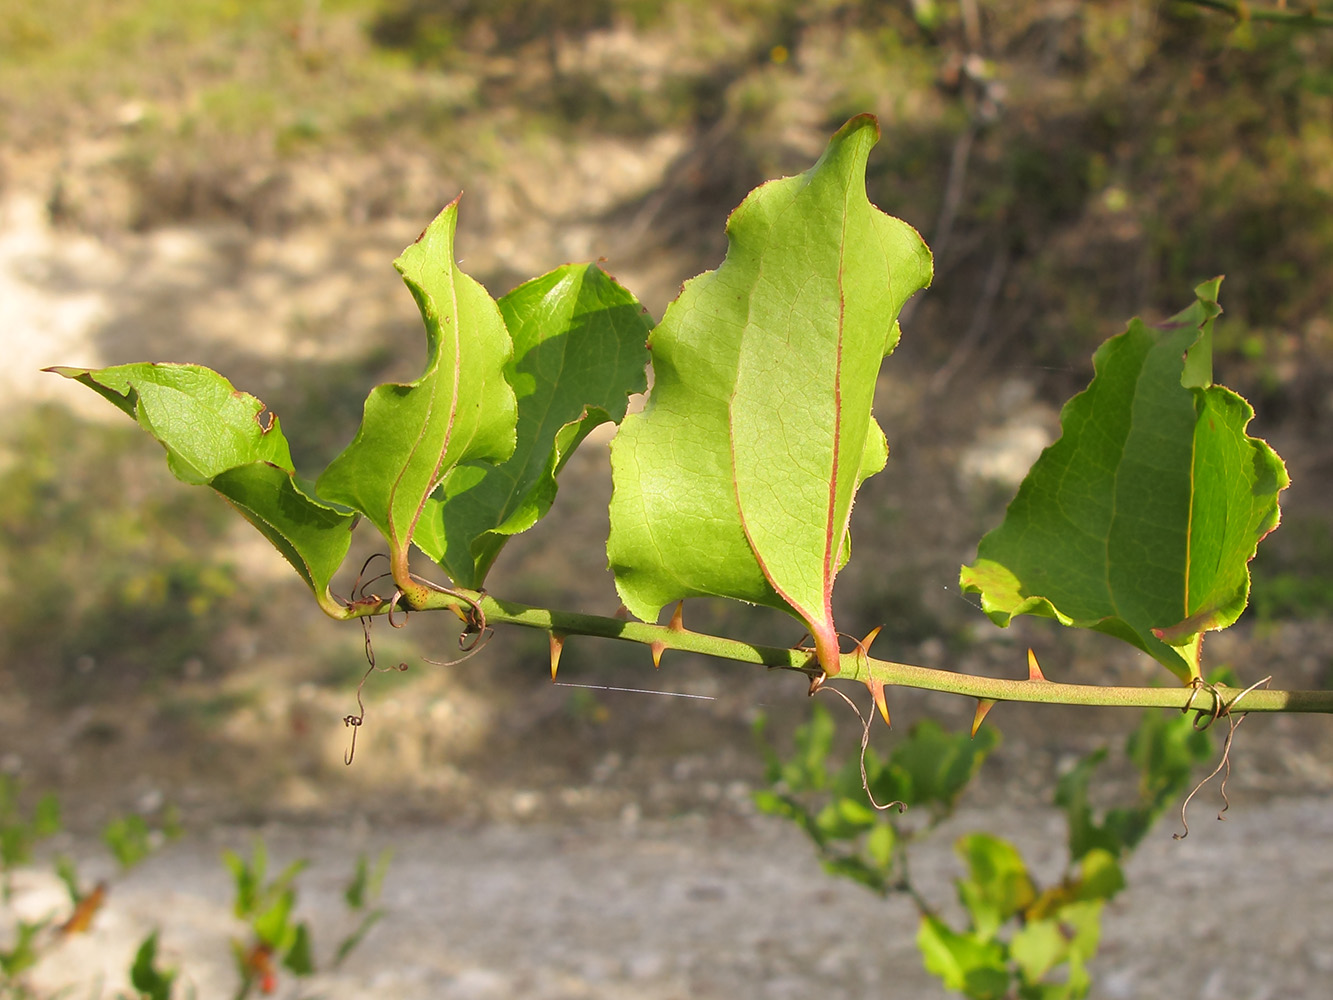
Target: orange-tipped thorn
{"x": 557, "y": 647}
{"x": 877, "y": 692}
{"x": 1034, "y": 669}
{"x": 677, "y": 624}
{"x": 984, "y": 705}
{"x": 863, "y": 647}
{"x": 876, "y": 687}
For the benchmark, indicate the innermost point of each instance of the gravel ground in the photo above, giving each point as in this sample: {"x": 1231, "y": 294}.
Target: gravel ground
{"x": 717, "y": 908}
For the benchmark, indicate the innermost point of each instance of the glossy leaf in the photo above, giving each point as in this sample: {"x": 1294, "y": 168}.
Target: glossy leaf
{"x": 461, "y": 409}
{"x": 216, "y": 436}
{"x": 1140, "y": 521}
{"x": 579, "y": 352}
{"x": 737, "y": 480}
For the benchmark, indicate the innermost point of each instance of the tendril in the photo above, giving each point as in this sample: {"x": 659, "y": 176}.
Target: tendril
{"x": 1220, "y": 709}
{"x": 355, "y": 721}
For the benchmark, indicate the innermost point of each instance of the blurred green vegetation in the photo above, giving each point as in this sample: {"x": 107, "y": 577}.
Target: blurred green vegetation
{"x": 109, "y": 575}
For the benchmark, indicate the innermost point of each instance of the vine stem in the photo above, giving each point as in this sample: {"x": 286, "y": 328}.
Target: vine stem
{"x": 855, "y": 666}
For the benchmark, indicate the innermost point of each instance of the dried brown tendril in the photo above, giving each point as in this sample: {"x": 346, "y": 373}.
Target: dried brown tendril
{"x": 1219, "y": 709}
{"x": 355, "y": 721}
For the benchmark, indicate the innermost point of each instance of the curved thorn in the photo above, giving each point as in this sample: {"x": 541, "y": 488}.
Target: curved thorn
{"x": 657, "y": 648}
{"x": 984, "y": 705}
{"x": 877, "y": 692}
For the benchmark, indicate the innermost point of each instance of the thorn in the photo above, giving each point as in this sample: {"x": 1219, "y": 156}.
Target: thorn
{"x": 622, "y": 613}
{"x": 876, "y": 687}
{"x": 677, "y": 623}
{"x": 877, "y": 692}
{"x": 863, "y": 647}
{"x": 984, "y": 705}
{"x": 557, "y": 646}
{"x": 1034, "y": 670}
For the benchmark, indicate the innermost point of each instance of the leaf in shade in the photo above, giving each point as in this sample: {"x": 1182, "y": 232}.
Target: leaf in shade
{"x": 1141, "y": 520}
{"x": 738, "y": 478}
{"x": 579, "y": 352}
{"x": 215, "y": 436}
{"x": 460, "y": 409}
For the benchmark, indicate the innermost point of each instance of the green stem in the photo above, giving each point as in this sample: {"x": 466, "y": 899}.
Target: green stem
{"x": 858, "y": 667}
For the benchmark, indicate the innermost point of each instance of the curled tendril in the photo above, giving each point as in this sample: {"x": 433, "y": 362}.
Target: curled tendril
{"x": 1220, "y": 708}
{"x": 356, "y": 721}
{"x": 866, "y": 721}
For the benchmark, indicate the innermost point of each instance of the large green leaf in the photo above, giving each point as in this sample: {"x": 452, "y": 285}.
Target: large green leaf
{"x": 215, "y": 436}
{"x": 737, "y": 480}
{"x": 1140, "y": 521}
{"x": 460, "y": 409}
{"x": 579, "y": 351}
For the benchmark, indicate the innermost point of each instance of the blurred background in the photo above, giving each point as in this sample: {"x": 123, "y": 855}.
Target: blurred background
{"x": 227, "y": 182}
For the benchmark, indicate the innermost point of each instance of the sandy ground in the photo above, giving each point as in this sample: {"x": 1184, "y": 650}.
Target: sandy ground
{"x": 717, "y": 908}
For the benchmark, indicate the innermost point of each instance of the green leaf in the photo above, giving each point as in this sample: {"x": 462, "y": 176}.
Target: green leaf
{"x": 998, "y": 885}
{"x": 151, "y": 982}
{"x": 737, "y": 479}
{"x": 349, "y": 944}
{"x": 854, "y": 869}
{"x": 932, "y": 766}
{"x": 461, "y": 408}
{"x": 1140, "y": 521}
{"x": 579, "y": 352}
{"x": 128, "y": 839}
{"x": 298, "y": 958}
{"x": 880, "y": 843}
{"x": 23, "y": 953}
{"x": 273, "y": 925}
{"x": 962, "y": 962}
{"x": 46, "y": 816}
{"x": 1038, "y": 947}
{"x": 216, "y": 436}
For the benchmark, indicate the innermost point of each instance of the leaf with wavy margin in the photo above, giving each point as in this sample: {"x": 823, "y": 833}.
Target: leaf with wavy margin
{"x": 737, "y": 480}
{"x": 214, "y": 436}
{"x": 1141, "y": 520}
{"x": 461, "y": 408}
{"x": 579, "y": 352}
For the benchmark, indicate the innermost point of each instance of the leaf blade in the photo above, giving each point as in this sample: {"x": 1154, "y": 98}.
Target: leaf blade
{"x": 579, "y": 352}
{"x": 214, "y": 436}
{"x": 1140, "y": 521}
{"x": 738, "y": 478}
{"x": 460, "y": 409}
